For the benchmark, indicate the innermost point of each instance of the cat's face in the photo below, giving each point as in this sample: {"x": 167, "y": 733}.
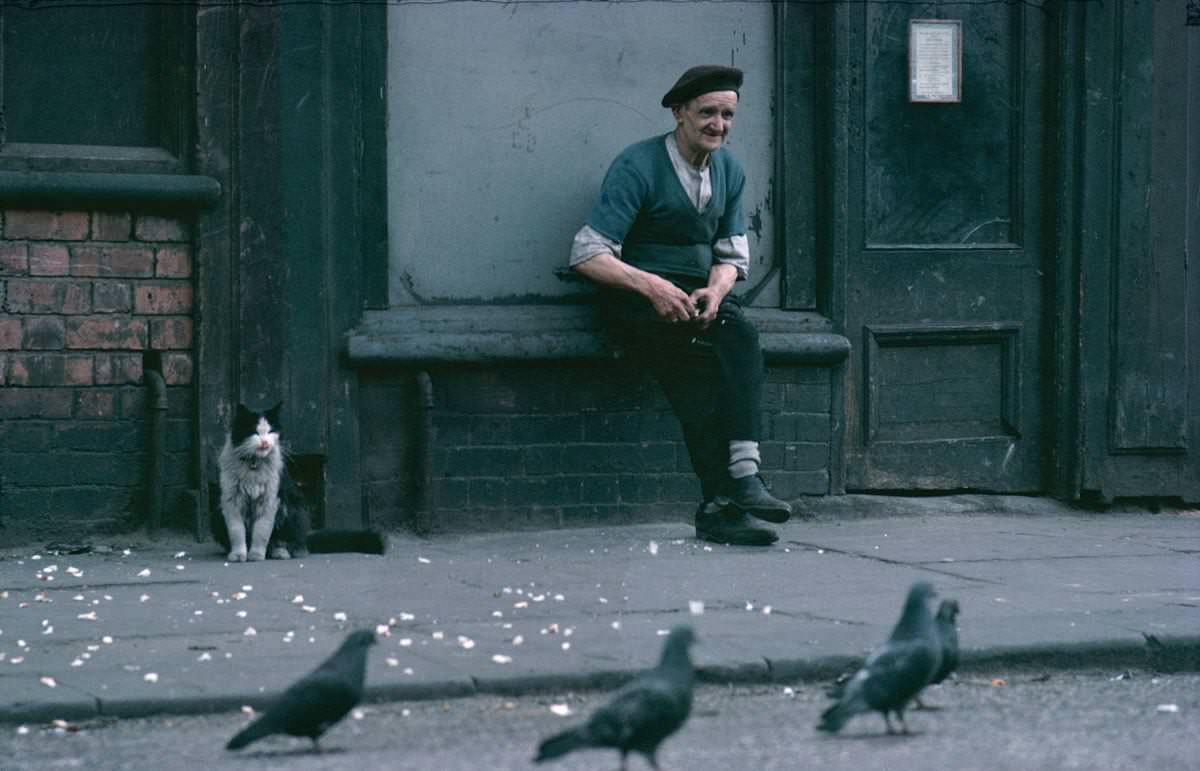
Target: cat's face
{"x": 255, "y": 433}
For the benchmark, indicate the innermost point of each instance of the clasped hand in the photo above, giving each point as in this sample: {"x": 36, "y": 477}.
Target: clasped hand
{"x": 673, "y": 304}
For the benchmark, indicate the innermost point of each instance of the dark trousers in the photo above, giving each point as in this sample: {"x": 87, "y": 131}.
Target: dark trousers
{"x": 712, "y": 377}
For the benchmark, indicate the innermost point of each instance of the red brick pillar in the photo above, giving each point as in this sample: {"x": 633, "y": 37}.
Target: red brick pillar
{"x": 83, "y": 296}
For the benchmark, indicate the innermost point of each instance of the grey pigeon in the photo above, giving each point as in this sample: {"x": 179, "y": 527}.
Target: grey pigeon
{"x": 895, "y": 672}
{"x": 945, "y": 621}
{"x": 645, "y": 711}
{"x": 315, "y": 702}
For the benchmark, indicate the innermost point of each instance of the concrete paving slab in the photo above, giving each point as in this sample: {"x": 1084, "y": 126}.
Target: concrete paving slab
{"x": 1056, "y": 586}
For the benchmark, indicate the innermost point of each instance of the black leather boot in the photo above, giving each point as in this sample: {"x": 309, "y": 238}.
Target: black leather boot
{"x": 749, "y": 494}
{"x": 728, "y": 525}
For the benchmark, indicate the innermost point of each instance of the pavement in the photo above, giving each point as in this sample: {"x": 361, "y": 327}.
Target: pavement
{"x": 138, "y": 626}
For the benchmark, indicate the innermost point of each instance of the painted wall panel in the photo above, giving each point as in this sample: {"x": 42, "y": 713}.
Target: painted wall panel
{"x": 504, "y": 118}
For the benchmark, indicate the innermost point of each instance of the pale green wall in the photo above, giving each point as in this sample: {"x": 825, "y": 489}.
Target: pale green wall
{"x": 503, "y": 119}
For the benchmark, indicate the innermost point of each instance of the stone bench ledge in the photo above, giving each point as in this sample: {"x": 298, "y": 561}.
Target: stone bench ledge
{"x": 472, "y": 334}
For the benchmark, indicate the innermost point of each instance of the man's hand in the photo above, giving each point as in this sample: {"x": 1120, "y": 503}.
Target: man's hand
{"x": 707, "y": 300}
{"x": 670, "y": 302}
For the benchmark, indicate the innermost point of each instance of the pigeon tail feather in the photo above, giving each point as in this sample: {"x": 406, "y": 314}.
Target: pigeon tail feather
{"x": 251, "y": 733}
{"x": 834, "y": 718}
{"x": 560, "y": 744}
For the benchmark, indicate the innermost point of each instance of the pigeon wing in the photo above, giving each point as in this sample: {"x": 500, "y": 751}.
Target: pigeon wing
{"x": 896, "y": 673}
{"x": 312, "y": 705}
{"x": 640, "y": 716}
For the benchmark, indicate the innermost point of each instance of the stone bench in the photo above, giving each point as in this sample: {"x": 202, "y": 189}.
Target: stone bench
{"x": 515, "y": 451}
{"x": 432, "y": 335}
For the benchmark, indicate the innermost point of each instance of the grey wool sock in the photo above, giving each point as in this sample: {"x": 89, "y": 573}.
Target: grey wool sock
{"x": 743, "y": 458}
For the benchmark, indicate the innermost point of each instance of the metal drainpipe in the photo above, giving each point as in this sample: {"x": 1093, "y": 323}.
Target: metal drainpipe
{"x": 423, "y": 522}
{"x": 156, "y": 407}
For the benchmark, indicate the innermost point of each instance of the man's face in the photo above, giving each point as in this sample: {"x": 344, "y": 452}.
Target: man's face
{"x": 705, "y": 121}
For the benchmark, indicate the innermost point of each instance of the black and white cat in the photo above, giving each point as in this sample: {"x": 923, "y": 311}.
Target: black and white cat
{"x": 263, "y": 512}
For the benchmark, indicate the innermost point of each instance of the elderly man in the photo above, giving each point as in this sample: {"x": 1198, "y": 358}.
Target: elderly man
{"x": 666, "y": 241}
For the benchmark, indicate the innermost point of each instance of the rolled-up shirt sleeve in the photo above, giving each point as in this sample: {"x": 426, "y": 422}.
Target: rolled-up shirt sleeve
{"x": 734, "y": 250}
{"x": 588, "y": 243}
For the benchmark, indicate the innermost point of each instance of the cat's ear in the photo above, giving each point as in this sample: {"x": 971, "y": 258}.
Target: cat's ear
{"x": 272, "y": 415}
{"x": 243, "y": 422}
{"x": 242, "y": 415}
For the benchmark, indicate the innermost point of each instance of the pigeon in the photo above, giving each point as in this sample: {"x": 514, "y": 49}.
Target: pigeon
{"x": 894, "y": 673}
{"x": 947, "y": 614}
{"x": 944, "y": 620}
{"x": 642, "y": 714}
{"x": 315, "y": 702}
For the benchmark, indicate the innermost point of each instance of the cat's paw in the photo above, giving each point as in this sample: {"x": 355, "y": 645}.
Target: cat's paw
{"x": 256, "y": 555}
{"x": 237, "y": 555}
{"x": 280, "y": 553}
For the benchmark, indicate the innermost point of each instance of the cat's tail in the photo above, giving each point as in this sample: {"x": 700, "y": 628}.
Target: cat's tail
{"x": 329, "y": 541}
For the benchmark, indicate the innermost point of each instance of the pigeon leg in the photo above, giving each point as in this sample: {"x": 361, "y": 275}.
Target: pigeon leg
{"x": 316, "y": 740}
{"x": 903, "y": 723}
{"x": 887, "y": 720}
{"x": 624, "y": 755}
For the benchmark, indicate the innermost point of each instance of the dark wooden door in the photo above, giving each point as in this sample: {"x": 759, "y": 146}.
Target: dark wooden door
{"x": 943, "y": 248}
{"x": 1139, "y": 223}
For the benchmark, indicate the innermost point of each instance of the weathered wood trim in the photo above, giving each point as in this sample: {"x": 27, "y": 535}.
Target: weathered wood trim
{"x": 348, "y": 205}
{"x": 796, "y": 180}
{"x": 1119, "y": 239}
{"x": 92, "y": 159}
{"x": 64, "y": 190}
{"x": 283, "y": 256}
{"x": 216, "y": 244}
{"x": 834, "y": 65}
{"x": 1148, "y": 377}
{"x": 1191, "y": 487}
{"x": 1063, "y": 457}
{"x": 304, "y": 194}
{"x": 1004, "y": 335}
{"x": 260, "y": 302}
{"x": 373, "y": 159}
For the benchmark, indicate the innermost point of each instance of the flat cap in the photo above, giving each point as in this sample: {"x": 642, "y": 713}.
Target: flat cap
{"x": 700, "y": 80}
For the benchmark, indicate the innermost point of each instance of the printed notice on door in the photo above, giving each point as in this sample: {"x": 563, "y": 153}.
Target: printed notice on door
{"x": 935, "y": 60}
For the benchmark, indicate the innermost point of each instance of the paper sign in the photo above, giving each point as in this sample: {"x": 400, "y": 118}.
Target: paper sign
{"x": 935, "y": 60}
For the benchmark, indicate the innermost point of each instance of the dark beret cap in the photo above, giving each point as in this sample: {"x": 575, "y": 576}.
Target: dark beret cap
{"x": 700, "y": 80}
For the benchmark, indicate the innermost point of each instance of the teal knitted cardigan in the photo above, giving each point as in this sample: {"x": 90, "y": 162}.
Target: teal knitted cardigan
{"x": 643, "y": 207}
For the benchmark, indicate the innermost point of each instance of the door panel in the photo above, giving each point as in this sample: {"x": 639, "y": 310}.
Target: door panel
{"x": 1139, "y": 290}
{"x": 943, "y": 255}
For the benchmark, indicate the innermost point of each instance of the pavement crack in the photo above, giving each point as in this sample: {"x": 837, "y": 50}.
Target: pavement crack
{"x": 1171, "y": 549}
{"x": 927, "y": 566}
{"x": 1040, "y": 558}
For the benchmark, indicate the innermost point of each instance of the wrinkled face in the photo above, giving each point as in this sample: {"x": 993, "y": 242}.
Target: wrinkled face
{"x": 704, "y": 122}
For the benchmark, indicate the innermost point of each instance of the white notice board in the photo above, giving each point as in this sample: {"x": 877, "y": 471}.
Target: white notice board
{"x": 935, "y": 60}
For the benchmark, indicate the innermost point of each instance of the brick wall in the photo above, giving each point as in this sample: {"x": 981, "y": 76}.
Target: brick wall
{"x": 563, "y": 445}
{"x": 83, "y": 297}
